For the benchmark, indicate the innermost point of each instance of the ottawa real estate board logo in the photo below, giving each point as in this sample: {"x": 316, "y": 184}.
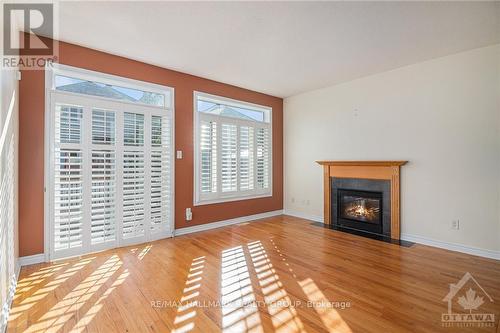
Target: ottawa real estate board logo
{"x": 465, "y": 299}
{"x": 34, "y": 48}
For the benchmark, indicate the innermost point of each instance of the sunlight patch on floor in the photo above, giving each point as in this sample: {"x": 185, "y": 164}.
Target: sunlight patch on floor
{"x": 329, "y": 316}
{"x": 239, "y": 311}
{"x": 65, "y": 311}
{"x": 42, "y": 284}
{"x": 92, "y": 312}
{"x": 184, "y": 320}
{"x": 283, "y": 315}
{"x": 144, "y": 251}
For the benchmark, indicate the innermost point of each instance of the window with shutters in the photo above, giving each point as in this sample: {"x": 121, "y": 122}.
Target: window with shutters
{"x": 109, "y": 162}
{"x": 233, "y": 154}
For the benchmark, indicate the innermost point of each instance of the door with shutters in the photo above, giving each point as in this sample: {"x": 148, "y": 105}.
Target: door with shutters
{"x": 110, "y": 173}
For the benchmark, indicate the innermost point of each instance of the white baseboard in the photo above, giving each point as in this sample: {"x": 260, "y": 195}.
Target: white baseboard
{"x": 421, "y": 240}
{"x": 452, "y": 246}
{"x": 31, "y": 260}
{"x": 314, "y": 218}
{"x": 219, "y": 224}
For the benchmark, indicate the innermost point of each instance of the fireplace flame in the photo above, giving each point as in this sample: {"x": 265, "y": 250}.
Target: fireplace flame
{"x": 360, "y": 210}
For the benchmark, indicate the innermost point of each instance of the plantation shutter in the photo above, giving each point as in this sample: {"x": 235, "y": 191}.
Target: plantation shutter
{"x": 160, "y": 173}
{"x": 103, "y": 127}
{"x": 133, "y": 194}
{"x": 68, "y": 178}
{"x": 103, "y": 204}
{"x": 208, "y": 158}
{"x": 103, "y": 196}
{"x": 263, "y": 158}
{"x": 246, "y": 158}
{"x": 229, "y": 166}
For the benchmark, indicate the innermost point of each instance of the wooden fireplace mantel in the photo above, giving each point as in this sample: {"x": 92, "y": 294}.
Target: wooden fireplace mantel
{"x": 386, "y": 170}
{"x": 363, "y": 163}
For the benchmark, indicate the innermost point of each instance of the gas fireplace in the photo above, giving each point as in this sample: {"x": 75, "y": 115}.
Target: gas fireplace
{"x": 360, "y": 210}
{"x": 362, "y": 205}
{"x": 363, "y": 197}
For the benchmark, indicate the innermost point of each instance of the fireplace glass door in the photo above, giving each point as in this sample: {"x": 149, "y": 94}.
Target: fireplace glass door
{"x": 360, "y": 209}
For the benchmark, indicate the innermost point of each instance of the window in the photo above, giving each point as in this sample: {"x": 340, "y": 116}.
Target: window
{"x": 100, "y": 89}
{"x": 110, "y": 165}
{"x": 233, "y": 150}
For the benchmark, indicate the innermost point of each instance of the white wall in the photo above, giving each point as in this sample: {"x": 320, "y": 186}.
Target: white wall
{"x": 442, "y": 115}
{"x": 9, "y": 138}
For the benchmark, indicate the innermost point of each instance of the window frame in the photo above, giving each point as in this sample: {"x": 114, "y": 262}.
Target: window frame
{"x": 56, "y": 69}
{"x": 239, "y": 195}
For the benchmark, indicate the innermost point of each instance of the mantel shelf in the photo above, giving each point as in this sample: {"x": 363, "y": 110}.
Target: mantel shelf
{"x": 362, "y": 163}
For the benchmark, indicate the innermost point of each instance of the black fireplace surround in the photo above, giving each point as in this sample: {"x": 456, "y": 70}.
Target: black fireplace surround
{"x": 362, "y": 204}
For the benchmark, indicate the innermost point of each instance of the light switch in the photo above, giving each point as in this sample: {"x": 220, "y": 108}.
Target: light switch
{"x": 179, "y": 154}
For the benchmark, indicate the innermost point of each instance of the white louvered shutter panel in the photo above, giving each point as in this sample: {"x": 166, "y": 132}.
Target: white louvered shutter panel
{"x": 133, "y": 176}
{"x": 229, "y": 150}
{"x": 263, "y": 154}
{"x": 8, "y": 260}
{"x": 208, "y": 156}
{"x": 133, "y": 129}
{"x": 103, "y": 222}
{"x": 68, "y": 124}
{"x": 246, "y": 158}
{"x": 103, "y": 205}
{"x": 68, "y": 178}
{"x": 133, "y": 194}
{"x": 160, "y": 173}
{"x": 103, "y": 127}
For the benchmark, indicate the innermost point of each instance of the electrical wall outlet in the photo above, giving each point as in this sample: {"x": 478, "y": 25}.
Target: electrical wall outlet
{"x": 455, "y": 224}
{"x": 189, "y": 214}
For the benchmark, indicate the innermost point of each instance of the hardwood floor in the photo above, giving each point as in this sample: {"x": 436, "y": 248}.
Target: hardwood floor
{"x": 289, "y": 269}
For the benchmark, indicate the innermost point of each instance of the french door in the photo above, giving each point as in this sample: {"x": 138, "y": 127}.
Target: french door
{"x": 110, "y": 174}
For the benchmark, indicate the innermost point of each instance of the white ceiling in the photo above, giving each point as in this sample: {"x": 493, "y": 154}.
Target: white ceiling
{"x": 280, "y": 48}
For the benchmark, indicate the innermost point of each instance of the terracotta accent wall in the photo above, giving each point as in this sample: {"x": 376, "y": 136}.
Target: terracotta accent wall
{"x": 31, "y": 142}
